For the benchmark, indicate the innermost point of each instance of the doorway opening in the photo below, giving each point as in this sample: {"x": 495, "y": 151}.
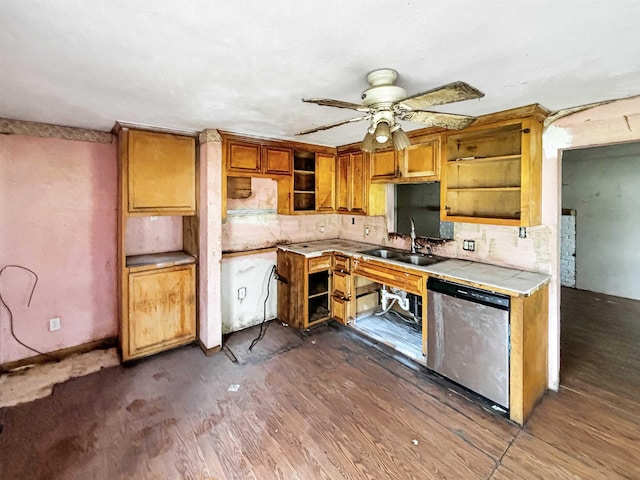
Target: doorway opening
{"x": 600, "y": 298}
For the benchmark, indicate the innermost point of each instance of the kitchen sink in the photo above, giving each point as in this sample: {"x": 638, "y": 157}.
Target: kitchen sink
{"x": 383, "y": 253}
{"x": 418, "y": 259}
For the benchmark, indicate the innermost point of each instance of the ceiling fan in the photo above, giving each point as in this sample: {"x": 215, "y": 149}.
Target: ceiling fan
{"x": 384, "y": 104}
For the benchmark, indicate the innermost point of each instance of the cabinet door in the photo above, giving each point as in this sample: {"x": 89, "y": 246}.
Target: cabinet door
{"x": 342, "y": 183}
{"x": 243, "y": 157}
{"x": 340, "y": 309}
{"x": 341, "y": 284}
{"x": 422, "y": 160}
{"x": 161, "y": 173}
{"x": 358, "y": 194}
{"x": 277, "y": 161}
{"x": 161, "y": 309}
{"x": 325, "y": 182}
{"x": 383, "y": 165}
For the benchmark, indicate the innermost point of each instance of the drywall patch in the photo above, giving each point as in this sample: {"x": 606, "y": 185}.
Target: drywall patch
{"x": 556, "y": 139}
{"x": 29, "y": 384}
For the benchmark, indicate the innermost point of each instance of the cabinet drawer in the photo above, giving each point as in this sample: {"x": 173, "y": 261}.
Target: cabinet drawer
{"x": 341, "y": 263}
{"x": 318, "y": 264}
{"x": 410, "y": 282}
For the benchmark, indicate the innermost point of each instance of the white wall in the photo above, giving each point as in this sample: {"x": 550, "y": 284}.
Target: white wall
{"x": 568, "y": 251}
{"x": 601, "y": 184}
{"x": 253, "y": 273}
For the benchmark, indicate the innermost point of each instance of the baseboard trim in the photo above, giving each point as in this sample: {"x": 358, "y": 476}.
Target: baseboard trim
{"x": 101, "y": 344}
{"x": 208, "y": 351}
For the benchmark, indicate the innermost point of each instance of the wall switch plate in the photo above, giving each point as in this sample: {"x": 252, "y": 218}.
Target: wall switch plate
{"x": 522, "y": 232}
{"x": 54, "y": 324}
{"x": 469, "y": 245}
{"x": 366, "y": 230}
{"x": 321, "y": 228}
{"x": 242, "y": 293}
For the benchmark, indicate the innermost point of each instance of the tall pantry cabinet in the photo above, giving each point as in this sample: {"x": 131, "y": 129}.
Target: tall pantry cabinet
{"x": 157, "y": 290}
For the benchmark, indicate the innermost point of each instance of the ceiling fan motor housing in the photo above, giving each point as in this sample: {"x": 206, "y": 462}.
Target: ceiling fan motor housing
{"x": 383, "y": 92}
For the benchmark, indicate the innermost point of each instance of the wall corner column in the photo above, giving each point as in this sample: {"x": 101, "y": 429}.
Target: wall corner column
{"x": 210, "y": 241}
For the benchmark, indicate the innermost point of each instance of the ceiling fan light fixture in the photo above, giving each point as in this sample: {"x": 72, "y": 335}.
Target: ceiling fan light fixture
{"x": 368, "y": 144}
{"x": 382, "y": 132}
{"x": 400, "y": 139}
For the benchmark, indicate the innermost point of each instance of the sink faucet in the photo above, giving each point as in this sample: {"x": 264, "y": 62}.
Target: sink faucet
{"x": 413, "y": 235}
{"x": 414, "y": 245}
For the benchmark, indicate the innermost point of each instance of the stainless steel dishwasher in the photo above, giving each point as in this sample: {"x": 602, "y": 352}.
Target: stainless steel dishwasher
{"x": 468, "y": 338}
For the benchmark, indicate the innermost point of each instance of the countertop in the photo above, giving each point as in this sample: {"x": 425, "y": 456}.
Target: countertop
{"x": 160, "y": 260}
{"x": 491, "y": 277}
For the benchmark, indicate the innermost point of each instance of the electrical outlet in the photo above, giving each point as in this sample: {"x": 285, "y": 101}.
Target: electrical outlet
{"x": 366, "y": 230}
{"x": 321, "y": 228}
{"x": 469, "y": 245}
{"x": 54, "y": 324}
{"x": 242, "y": 293}
{"x": 522, "y": 232}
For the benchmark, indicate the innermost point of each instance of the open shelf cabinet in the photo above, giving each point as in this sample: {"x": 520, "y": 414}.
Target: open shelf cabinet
{"x": 304, "y": 181}
{"x": 493, "y": 174}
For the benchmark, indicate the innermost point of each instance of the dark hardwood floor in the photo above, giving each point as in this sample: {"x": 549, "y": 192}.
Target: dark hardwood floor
{"x": 327, "y": 405}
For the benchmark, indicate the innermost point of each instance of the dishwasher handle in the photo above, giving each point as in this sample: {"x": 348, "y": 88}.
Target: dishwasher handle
{"x": 471, "y": 294}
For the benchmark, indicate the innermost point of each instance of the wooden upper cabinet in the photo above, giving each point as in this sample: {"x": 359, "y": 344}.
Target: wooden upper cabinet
{"x": 359, "y": 183}
{"x": 276, "y": 160}
{"x": 422, "y": 160}
{"x": 252, "y": 158}
{"x": 352, "y": 183}
{"x": 493, "y": 174}
{"x": 243, "y": 157}
{"x": 342, "y": 183}
{"x": 418, "y": 162}
{"x": 384, "y": 165}
{"x": 160, "y": 173}
{"x": 325, "y": 182}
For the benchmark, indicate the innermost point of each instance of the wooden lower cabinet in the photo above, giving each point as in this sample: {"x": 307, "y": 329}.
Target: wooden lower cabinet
{"x": 528, "y": 359}
{"x": 161, "y": 310}
{"x": 354, "y": 284}
{"x": 341, "y": 289}
{"x": 304, "y": 294}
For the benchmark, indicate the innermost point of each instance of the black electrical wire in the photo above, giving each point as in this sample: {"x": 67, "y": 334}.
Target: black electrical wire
{"x": 272, "y": 273}
{"x": 4, "y": 304}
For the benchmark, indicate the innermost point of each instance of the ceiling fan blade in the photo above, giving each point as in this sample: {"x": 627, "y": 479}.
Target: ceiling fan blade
{"x": 337, "y": 124}
{"x": 437, "y": 119}
{"x": 452, "y": 92}
{"x": 327, "y": 102}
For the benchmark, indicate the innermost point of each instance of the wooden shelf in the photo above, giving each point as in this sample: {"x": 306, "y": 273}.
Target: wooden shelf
{"x": 485, "y": 189}
{"x": 305, "y": 172}
{"x": 305, "y": 192}
{"x": 499, "y": 158}
{"x": 319, "y": 294}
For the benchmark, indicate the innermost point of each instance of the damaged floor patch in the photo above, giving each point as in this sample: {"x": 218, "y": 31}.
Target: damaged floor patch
{"x": 36, "y": 382}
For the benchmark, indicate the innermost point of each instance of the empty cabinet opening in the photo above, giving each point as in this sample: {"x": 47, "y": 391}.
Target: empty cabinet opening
{"x": 389, "y": 315}
{"x": 318, "y": 296}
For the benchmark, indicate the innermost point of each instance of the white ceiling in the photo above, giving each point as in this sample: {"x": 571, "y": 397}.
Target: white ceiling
{"x": 243, "y": 66}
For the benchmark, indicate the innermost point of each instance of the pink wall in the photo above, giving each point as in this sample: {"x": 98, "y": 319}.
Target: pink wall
{"x": 58, "y": 218}
{"x": 210, "y": 212}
